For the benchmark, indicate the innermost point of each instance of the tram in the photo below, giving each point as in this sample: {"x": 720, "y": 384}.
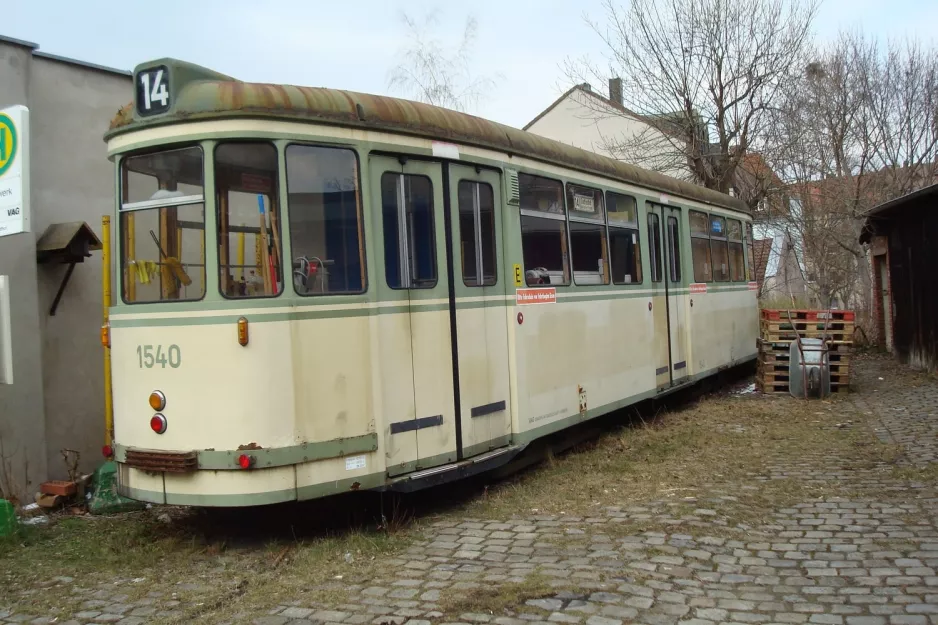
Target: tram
{"x": 319, "y": 291}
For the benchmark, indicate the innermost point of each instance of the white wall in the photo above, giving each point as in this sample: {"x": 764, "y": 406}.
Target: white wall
{"x": 57, "y": 399}
{"x": 587, "y": 122}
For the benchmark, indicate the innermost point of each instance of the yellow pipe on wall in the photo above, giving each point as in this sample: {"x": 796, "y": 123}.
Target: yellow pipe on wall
{"x": 105, "y": 329}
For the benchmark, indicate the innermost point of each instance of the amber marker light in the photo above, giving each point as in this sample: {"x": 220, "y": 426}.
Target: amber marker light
{"x": 243, "y": 331}
{"x": 157, "y": 400}
{"x": 106, "y": 335}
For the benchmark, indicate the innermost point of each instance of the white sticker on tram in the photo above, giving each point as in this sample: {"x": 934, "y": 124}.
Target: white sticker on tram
{"x": 354, "y": 462}
{"x": 445, "y": 150}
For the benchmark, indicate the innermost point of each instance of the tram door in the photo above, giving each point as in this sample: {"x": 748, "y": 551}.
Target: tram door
{"x": 414, "y": 364}
{"x": 475, "y": 210}
{"x": 664, "y": 234}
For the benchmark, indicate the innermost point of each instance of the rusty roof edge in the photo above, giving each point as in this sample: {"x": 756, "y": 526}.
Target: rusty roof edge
{"x": 205, "y": 99}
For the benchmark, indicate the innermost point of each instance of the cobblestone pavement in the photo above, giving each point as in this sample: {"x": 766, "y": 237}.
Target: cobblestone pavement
{"x": 868, "y": 559}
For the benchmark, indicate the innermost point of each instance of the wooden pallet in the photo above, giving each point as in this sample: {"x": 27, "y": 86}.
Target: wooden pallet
{"x": 837, "y": 379}
{"x": 772, "y": 314}
{"x": 782, "y": 388}
{"x": 782, "y": 357}
{"x": 783, "y": 347}
{"x": 836, "y": 368}
{"x": 777, "y": 334}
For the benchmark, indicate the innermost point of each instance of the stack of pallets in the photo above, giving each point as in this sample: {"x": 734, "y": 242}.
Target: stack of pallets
{"x": 777, "y": 333}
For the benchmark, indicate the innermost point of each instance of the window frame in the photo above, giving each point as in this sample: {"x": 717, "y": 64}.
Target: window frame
{"x": 726, "y": 247}
{"x": 539, "y": 214}
{"x": 654, "y": 251}
{"x": 749, "y": 252}
{"x": 703, "y": 237}
{"x": 123, "y": 186}
{"x": 741, "y": 241}
{"x": 275, "y": 195}
{"x": 436, "y": 268}
{"x": 477, "y": 229}
{"x": 674, "y": 251}
{"x": 361, "y": 213}
{"x": 628, "y": 226}
{"x": 578, "y": 217}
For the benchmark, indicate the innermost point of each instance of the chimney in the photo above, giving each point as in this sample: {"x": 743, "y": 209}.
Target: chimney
{"x": 615, "y": 90}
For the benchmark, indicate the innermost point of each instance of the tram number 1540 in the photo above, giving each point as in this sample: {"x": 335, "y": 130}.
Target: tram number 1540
{"x": 149, "y": 356}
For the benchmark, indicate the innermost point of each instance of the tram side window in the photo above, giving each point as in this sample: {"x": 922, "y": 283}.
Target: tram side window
{"x": 700, "y": 246}
{"x": 625, "y": 248}
{"x": 588, "y": 235}
{"x": 543, "y": 231}
{"x": 249, "y": 244}
{"x": 674, "y": 250}
{"x": 751, "y": 267}
{"x": 735, "y": 235}
{"x": 477, "y": 233}
{"x": 324, "y": 204}
{"x": 718, "y": 249}
{"x": 162, "y": 227}
{"x": 654, "y": 246}
{"x": 407, "y": 209}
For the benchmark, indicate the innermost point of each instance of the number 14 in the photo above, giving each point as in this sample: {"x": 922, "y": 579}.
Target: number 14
{"x": 156, "y": 93}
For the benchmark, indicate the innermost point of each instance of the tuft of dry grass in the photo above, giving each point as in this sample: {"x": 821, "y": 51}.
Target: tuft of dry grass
{"x": 497, "y": 599}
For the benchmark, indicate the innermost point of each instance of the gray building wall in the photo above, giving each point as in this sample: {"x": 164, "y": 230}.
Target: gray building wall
{"x": 57, "y": 399}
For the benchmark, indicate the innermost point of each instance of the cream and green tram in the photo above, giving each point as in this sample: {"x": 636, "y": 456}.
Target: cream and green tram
{"x": 319, "y": 291}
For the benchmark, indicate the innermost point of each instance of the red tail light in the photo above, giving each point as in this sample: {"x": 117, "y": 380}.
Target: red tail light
{"x": 245, "y": 461}
{"x": 158, "y": 423}
{"x": 107, "y": 451}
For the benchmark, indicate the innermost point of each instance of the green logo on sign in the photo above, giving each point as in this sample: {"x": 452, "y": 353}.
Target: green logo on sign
{"x": 7, "y": 143}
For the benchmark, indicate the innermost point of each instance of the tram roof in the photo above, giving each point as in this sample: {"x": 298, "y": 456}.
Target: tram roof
{"x": 198, "y": 94}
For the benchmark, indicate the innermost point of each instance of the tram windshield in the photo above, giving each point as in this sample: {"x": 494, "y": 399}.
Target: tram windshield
{"x": 162, "y": 226}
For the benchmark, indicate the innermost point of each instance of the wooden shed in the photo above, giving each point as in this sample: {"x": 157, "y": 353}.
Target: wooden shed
{"x": 903, "y": 239}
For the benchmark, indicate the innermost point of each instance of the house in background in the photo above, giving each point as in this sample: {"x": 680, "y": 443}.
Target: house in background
{"x": 779, "y": 265}
{"x": 588, "y": 120}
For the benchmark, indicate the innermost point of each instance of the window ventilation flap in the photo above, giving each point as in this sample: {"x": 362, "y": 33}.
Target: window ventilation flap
{"x": 514, "y": 190}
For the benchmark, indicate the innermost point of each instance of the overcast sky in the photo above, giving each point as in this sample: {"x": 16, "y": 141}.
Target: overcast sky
{"x": 352, "y": 44}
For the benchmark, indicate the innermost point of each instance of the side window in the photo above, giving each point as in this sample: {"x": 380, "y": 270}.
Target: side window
{"x": 751, "y": 266}
{"x": 654, "y": 246}
{"x": 700, "y": 246}
{"x": 477, "y": 233}
{"x": 735, "y": 235}
{"x": 588, "y": 235}
{"x": 324, "y": 204}
{"x": 409, "y": 240}
{"x": 246, "y": 182}
{"x": 625, "y": 247}
{"x": 162, "y": 227}
{"x": 674, "y": 251}
{"x": 718, "y": 249}
{"x": 543, "y": 231}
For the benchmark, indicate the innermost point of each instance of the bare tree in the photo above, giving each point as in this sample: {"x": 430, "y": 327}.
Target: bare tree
{"x": 429, "y": 72}
{"x": 702, "y": 74}
{"x": 859, "y": 126}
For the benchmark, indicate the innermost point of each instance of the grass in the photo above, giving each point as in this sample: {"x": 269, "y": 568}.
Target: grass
{"x": 221, "y": 572}
{"x": 503, "y": 599}
{"x": 721, "y": 440}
